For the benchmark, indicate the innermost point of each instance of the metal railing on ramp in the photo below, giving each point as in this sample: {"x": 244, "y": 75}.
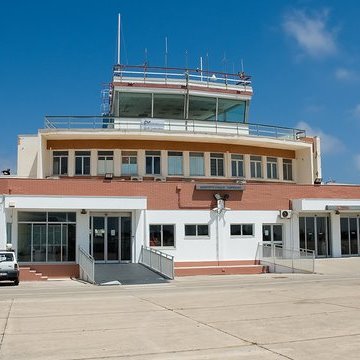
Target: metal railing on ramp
{"x": 283, "y": 260}
{"x": 87, "y": 266}
{"x": 157, "y": 261}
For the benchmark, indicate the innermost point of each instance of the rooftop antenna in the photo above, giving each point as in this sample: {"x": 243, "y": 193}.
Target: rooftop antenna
{"x": 118, "y": 40}
{"x": 186, "y": 58}
{"x": 201, "y": 68}
{"x": 146, "y": 57}
{"x": 166, "y": 51}
{"x": 242, "y": 65}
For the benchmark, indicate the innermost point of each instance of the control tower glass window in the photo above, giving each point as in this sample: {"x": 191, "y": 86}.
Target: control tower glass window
{"x": 231, "y": 110}
{"x": 169, "y": 106}
{"x": 152, "y": 162}
{"x": 202, "y": 108}
{"x": 134, "y": 105}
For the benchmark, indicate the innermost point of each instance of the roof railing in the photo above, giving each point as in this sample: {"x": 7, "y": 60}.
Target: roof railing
{"x": 148, "y": 74}
{"x": 109, "y": 123}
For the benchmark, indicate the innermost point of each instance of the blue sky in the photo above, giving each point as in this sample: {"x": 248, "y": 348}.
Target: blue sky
{"x": 304, "y": 57}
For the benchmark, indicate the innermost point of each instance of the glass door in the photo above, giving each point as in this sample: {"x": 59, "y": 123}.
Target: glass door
{"x": 110, "y": 239}
{"x": 314, "y": 234}
{"x": 349, "y": 236}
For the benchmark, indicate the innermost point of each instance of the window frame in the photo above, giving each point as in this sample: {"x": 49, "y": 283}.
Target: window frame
{"x": 271, "y": 168}
{"x": 195, "y": 155}
{"x": 60, "y": 156}
{"x": 256, "y": 162}
{"x": 181, "y": 173}
{"x": 162, "y": 236}
{"x": 288, "y": 164}
{"x": 82, "y": 157}
{"x": 133, "y": 155}
{"x": 197, "y": 236}
{"x": 241, "y": 225}
{"x": 236, "y": 161}
{"x": 217, "y": 164}
{"x": 108, "y": 159}
{"x": 150, "y": 154}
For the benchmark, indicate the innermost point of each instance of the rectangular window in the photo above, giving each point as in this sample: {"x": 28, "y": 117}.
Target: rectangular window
{"x": 237, "y": 165}
{"x": 169, "y": 106}
{"x": 60, "y": 162}
{"x": 82, "y": 162}
{"x": 271, "y": 168}
{"x": 216, "y": 164}
{"x": 197, "y": 164}
{"x": 175, "y": 163}
{"x": 255, "y": 166}
{"x": 129, "y": 163}
{"x": 46, "y": 237}
{"x": 105, "y": 162}
{"x": 242, "y": 229}
{"x": 197, "y": 230}
{"x": 162, "y": 235}
{"x": 287, "y": 169}
{"x": 152, "y": 160}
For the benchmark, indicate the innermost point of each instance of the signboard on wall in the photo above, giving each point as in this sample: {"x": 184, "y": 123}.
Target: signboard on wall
{"x": 152, "y": 124}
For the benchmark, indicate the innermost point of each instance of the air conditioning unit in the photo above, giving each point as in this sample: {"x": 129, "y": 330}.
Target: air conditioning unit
{"x": 136, "y": 178}
{"x": 160, "y": 178}
{"x": 285, "y": 214}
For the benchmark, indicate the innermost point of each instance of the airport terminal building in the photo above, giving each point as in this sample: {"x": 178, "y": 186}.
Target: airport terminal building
{"x": 174, "y": 165}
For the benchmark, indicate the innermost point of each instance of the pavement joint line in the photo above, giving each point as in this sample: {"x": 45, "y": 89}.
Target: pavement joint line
{"x": 279, "y": 317}
{"x": 312, "y": 339}
{"x": 6, "y": 322}
{"x": 130, "y": 356}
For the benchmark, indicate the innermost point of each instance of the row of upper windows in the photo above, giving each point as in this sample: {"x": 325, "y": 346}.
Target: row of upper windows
{"x": 175, "y": 162}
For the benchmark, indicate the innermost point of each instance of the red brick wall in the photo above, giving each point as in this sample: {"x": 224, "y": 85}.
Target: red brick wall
{"x": 175, "y": 195}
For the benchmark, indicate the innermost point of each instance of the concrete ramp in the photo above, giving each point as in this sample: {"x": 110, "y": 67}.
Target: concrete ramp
{"x": 126, "y": 274}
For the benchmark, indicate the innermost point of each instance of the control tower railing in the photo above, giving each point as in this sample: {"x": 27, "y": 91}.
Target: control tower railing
{"x": 200, "y": 77}
{"x": 108, "y": 123}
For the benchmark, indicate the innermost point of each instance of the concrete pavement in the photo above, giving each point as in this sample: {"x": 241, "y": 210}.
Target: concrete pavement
{"x": 268, "y": 316}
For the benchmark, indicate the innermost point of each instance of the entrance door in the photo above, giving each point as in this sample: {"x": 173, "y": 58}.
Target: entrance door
{"x": 314, "y": 234}
{"x": 349, "y": 236}
{"x": 110, "y": 238}
{"x": 272, "y": 233}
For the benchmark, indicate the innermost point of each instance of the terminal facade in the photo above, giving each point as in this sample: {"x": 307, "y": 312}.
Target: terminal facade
{"x": 173, "y": 164}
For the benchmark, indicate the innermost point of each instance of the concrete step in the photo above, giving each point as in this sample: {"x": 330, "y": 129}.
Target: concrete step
{"x": 28, "y": 274}
{"x": 219, "y": 268}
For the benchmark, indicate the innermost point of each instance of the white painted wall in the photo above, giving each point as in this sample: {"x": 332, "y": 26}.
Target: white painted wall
{"x": 27, "y": 155}
{"x": 304, "y": 166}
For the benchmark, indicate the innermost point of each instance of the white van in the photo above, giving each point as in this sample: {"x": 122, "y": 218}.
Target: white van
{"x": 9, "y": 268}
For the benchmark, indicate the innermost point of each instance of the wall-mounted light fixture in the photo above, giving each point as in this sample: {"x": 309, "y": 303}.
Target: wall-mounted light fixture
{"x": 83, "y": 212}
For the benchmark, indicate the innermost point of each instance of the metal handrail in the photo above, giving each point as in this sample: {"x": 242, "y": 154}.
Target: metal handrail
{"x": 157, "y": 261}
{"x": 146, "y": 73}
{"x": 87, "y": 266}
{"x": 109, "y": 123}
{"x": 280, "y": 259}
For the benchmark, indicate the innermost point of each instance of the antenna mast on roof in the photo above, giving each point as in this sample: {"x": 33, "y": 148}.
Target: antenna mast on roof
{"x": 118, "y": 40}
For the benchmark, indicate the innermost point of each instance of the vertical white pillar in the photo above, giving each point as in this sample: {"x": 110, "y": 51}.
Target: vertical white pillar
{"x": 335, "y": 238}
{"x": 186, "y": 163}
{"x": 280, "y": 169}
{"x": 3, "y": 238}
{"x": 117, "y": 162}
{"x": 82, "y": 232}
{"x": 207, "y": 164}
{"x": 141, "y": 162}
{"x": 247, "y": 171}
{"x": 71, "y": 163}
{"x": 93, "y": 163}
{"x": 164, "y": 162}
{"x": 139, "y": 233}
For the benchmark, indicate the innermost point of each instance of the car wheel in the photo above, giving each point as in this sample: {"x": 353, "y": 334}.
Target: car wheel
{"x": 16, "y": 282}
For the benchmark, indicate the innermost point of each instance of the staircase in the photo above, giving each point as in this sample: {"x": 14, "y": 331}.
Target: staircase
{"x": 236, "y": 267}
{"x": 27, "y": 274}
